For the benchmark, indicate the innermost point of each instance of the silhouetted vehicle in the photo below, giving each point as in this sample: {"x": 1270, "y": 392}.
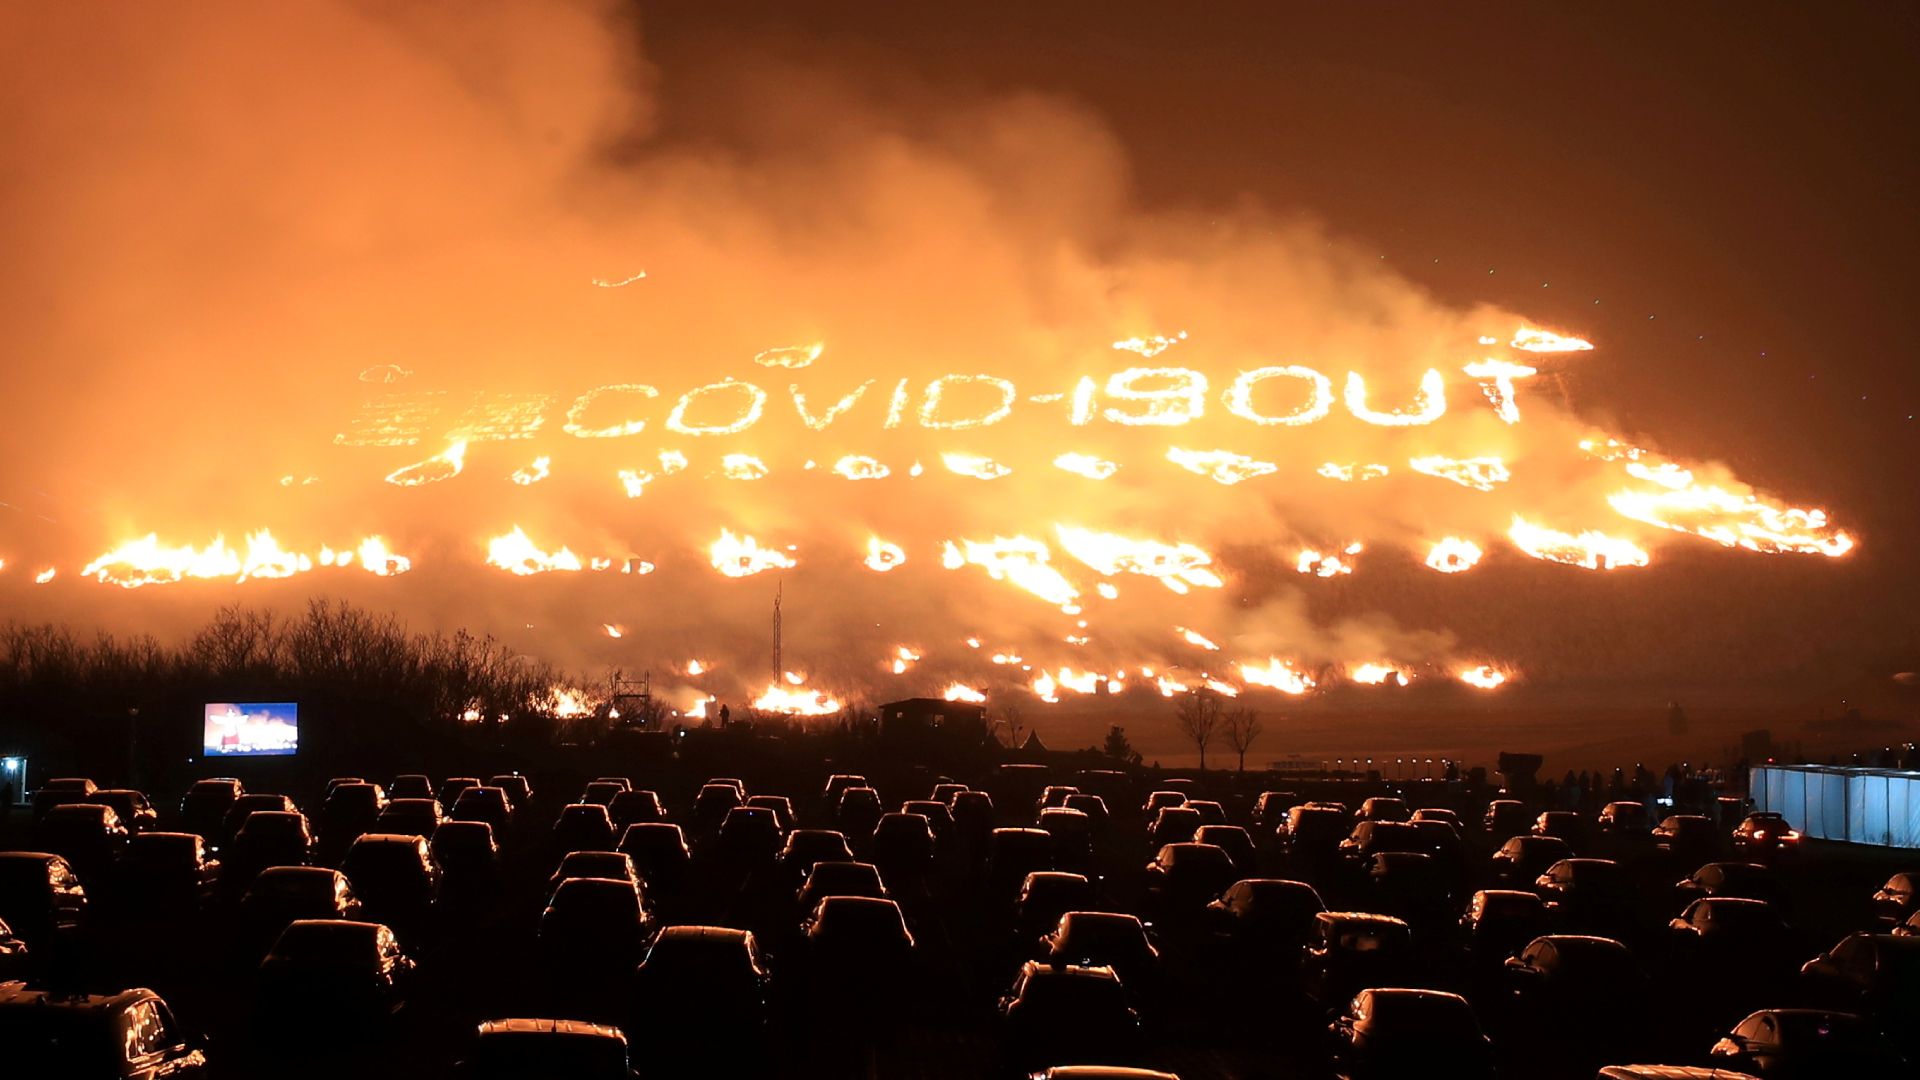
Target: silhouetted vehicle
{"x": 453, "y": 786}
{"x": 1162, "y": 800}
{"x": 711, "y": 804}
{"x": 594, "y": 864}
{"x": 1765, "y": 835}
{"x": 1877, "y": 975}
{"x": 711, "y": 973}
{"x": 1173, "y": 825}
{"x": 266, "y": 838}
{"x": 593, "y": 927}
{"x": 1045, "y": 896}
{"x": 1233, "y": 840}
{"x": 1412, "y": 885}
{"x": 1690, "y": 838}
{"x": 903, "y": 846}
{"x": 625, "y": 784}
{"x": 972, "y": 819}
{"x": 1012, "y": 854}
{"x": 1624, "y": 818}
{"x": 1564, "y": 825}
{"x": 519, "y": 792}
{"x": 126, "y": 1035}
{"x": 395, "y": 878}
{"x": 351, "y": 809}
{"x": 1506, "y": 818}
{"x": 1106, "y": 939}
{"x": 939, "y": 818}
{"x": 1091, "y": 805}
{"x": 1807, "y": 1044}
{"x": 632, "y": 807}
{"x": 945, "y": 792}
{"x": 486, "y": 803}
{"x": 1561, "y": 982}
{"x": 1437, "y": 813}
{"x": 659, "y": 853}
{"x": 1270, "y": 809}
{"x": 858, "y": 954}
{"x": 135, "y": 812}
{"x": 519, "y": 1049}
{"x": 1072, "y": 833}
{"x": 1371, "y": 836}
{"x": 1743, "y": 942}
{"x": 90, "y": 836}
{"x": 13, "y": 954}
{"x": 839, "y": 879}
{"x": 1313, "y": 833}
{"x": 1500, "y": 922}
{"x": 466, "y": 852}
{"x": 1524, "y": 858}
{"x": 203, "y": 809}
{"x": 1586, "y": 893}
{"x": 249, "y": 804}
{"x": 40, "y": 896}
{"x": 1391, "y": 1033}
{"x": 1749, "y": 881}
{"x": 1210, "y": 811}
{"x": 837, "y": 783}
{"x": 59, "y": 791}
{"x": 804, "y": 847}
{"x": 410, "y": 816}
{"x": 165, "y": 874}
{"x": 1266, "y": 916}
{"x": 733, "y": 782}
{"x": 1898, "y": 898}
{"x": 1351, "y": 951}
{"x": 1101, "y": 1073}
{"x": 781, "y": 808}
{"x": 410, "y": 786}
{"x": 1067, "y": 1014}
{"x": 337, "y": 782}
{"x": 1384, "y": 808}
{"x": 601, "y": 792}
{"x": 748, "y": 838}
{"x": 583, "y": 827}
{"x": 282, "y": 895}
{"x": 858, "y": 812}
{"x": 1182, "y": 878}
{"x": 1053, "y": 795}
{"x": 326, "y": 972}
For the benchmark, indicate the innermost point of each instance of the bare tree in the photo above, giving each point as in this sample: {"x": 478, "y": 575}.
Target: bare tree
{"x": 1198, "y": 715}
{"x": 1242, "y": 727}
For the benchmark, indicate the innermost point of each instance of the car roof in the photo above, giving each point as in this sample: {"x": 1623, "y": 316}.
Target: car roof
{"x": 18, "y": 995}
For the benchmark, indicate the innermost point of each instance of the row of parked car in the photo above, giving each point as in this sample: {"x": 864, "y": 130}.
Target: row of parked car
{"x": 743, "y": 911}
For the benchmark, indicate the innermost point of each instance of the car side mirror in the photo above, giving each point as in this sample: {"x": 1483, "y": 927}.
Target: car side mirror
{"x": 1729, "y": 1045}
{"x": 1679, "y": 926}
{"x": 1519, "y": 966}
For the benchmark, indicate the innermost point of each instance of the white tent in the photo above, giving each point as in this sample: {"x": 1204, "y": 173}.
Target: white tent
{"x": 1861, "y": 806}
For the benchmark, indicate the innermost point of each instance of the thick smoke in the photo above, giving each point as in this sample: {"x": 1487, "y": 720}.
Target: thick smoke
{"x": 227, "y": 218}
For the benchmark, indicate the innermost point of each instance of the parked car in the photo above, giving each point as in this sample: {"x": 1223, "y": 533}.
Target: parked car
{"x": 409, "y": 816}
{"x": 711, "y": 987}
{"x": 839, "y": 879}
{"x": 61, "y": 790}
{"x": 659, "y": 853}
{"x": 247, "y": 805}
{"x": 1690, "y": 838}
{"x": 1012, "y": 854}
{"x": 1560, "y": 982}
{"x": 282, "y": 895}
{"x": 857, "y": 953}
{"x": 781, "y": 807}
{"x": 1067, "y": 1013}
{"x": 594, "y": 864}
{"x": 1500, "y": 922}
{"x": 602, "y": 792}
{"x": 1270, "y": 809}
{"x": 1351, "y": 951}
{"x": 1587, "y": 893}
{"x": 582, "y": 827}
{"x": 135, "y": 812}
{"x": 40, "y": 896}
{"x": 1749, "y": 881}
{"x": 165, "y": 874}
{"x": 1564, "y": 825}
{"x": 1046, "y": 895}
{"x": 410, "y": 786}
{"x": 1371, "y": 836}
{"x": 1505, "y": 818}
{"x": 1091, "y": 805}
{"x": 1106, "y": 939}
{"x": 465, "y": 852}
{"x": 266, "y": 838}
{"x": 516, "y": 1049}
{"x": 395, "y": 878}
{"x": 1266, "y": 916}
{"x": 1313, "y": 833}
{"x": 453, "y": 786}
{"x": 519, "y": 792}
{"x": 632, "y": 807}
{"x": 484, "y": 803}
{"x": 1173, "y": 825}
{"x": 203, "y": 809}
{"x": 1522, "y": 859}
{"x": 335, "y": 972}
{"x": 1210, "y": 811}
{"x": 1233, "y": 840}
{"x": 350, "y": 810}
{"x": 1807, "y": 1044}
{"x": 594, "y": 927}
{"x": 1384, "y": 808}
{"x": 1877, "y": 975}
{"x": 1624, "y": 819}
{"x": 60, "y": 1031}
{"x": 1898, "y": 898}
{"x": 1182, "y": 878}
{"x": 903, "y": 846}
{"x": 1398, "y": 1032}
{"x": 90, "y": 836}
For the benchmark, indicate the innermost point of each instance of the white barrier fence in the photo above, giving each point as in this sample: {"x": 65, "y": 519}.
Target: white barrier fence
{"x": 1861, "y": 806}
